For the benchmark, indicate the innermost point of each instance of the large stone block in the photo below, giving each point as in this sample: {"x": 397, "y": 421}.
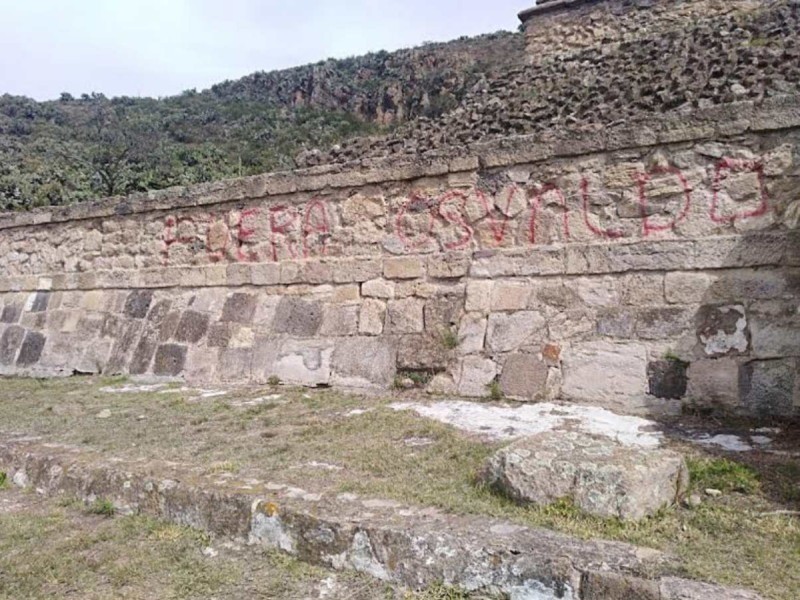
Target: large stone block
{"x": 239, "y": 308}
{"x": 601, "y": 476}
{"x": 714, "y": 382}
{"x": 304, "y": 362}
{"x": 297, "y": 317}
{"x": 170, "y": 360}
{"x": 476, "y": 375}
{"x": 192, "y": 327}
{"x": 507, "y": 332}
{"x": 471, "y": 333}
{"x": 767, "y": 387}
{"x": 138, "y": 303}
{"x": 604, "y": 372}
{"x": 363, "y": 362}
{"x": 10, "y": 342}
{"x": 372, "y": 317}
{"x": 524, "y": 377}
{"x": 406, "y": 316}
{"x": 775, "y": 329}
{"x": 31, "y": 349}
{"x": 667, "y": 378}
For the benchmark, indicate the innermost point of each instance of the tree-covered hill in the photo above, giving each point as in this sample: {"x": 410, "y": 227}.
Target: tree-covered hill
{"x": 73, "y": 149}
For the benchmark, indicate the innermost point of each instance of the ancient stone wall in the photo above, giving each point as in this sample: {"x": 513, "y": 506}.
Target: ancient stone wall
{"x": 629, "y": 268}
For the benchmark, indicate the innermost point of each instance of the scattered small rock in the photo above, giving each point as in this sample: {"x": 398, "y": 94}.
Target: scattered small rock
{"x": 210, "y": 552}
{"x": 713, "y": 493}
{"x": 693, "y": 501}
{"x": 104, "y": 414}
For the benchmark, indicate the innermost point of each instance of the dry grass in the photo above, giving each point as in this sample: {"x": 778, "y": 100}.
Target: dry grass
{"x": 310, "y": 439}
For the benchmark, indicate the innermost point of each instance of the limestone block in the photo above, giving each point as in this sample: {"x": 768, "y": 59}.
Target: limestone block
{"x": 510, "y": 295}
{"x": 601, "y": 476}
{"x": 243, "y": 337}
{"x": 767, "y": 387}
{"x": 346, "y": 294}
{"x": 688, "y": 288}
{"x": 714, "y": 381}
{"x": 363, "y": 362}
{"x": 448, "y": 266}
{"x": 404, "y": 267}
{"x": 339, "y": 320}
{"x": 477, "y": 373}
{"x": 372, "y": 317}
{"x": 406, "y": 316}
{"x": 235, "y": 364}
{"x": 775, "y": 329}
{"x": 137, "y": 304}
{"x": 595, "y": 291}
{"x": 640, "y": 289}
{"x": 524, "y": 377}
{"x": 507, "y": 332}
{"x": 422, "y": 351}
{"x": 605, "y": 372}
{"x": 472, "y": 333}
{"x": 265, "y": 273}
{"x": 616, "y": 322}
{"x": 304, "y": 362}
{"x": 378, "y": 288}
{"x": 442, "y": 384}
{"x": 356, "y": 270}
{"x": 479, "y": 295}
{"x": 660, "y": 323}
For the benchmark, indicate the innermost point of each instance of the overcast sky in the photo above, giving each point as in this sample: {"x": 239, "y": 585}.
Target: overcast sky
{"x": 162, "y": 47}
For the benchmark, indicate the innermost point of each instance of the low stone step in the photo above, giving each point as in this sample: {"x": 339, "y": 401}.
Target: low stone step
{"x": 411, "y": 546}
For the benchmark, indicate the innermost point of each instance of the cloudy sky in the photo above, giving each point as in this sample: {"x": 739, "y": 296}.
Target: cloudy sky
{"x": 162, "y": 47}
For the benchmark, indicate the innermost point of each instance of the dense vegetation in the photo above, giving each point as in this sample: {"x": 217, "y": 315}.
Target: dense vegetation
{"x": 70, "y": 150}
{"x": 73, "y": 149}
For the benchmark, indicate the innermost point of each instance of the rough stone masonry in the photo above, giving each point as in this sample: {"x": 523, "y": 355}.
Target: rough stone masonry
{"x": 652, "y": 262}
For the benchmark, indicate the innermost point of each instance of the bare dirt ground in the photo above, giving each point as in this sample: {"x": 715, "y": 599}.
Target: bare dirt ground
{"x": 740, "y": 529}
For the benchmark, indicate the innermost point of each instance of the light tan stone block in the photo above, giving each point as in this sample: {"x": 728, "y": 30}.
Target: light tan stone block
{"x": 405, "y": 267}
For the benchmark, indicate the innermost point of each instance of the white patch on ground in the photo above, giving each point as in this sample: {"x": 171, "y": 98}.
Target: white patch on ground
{"x": 356, "y": 412}
{"x": 507, "y": 422}
{"x": 318, "y": 465}
{"x": 258, "y": 401}
{"x": 726, "y": 441}
{"x": 133, "y": 389}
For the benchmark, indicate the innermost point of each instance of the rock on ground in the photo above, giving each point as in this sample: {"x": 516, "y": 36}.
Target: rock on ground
{"x": 601, "y": 476}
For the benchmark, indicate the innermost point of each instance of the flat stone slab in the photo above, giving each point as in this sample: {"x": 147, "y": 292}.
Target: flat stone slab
{"x": 603, "y": 477}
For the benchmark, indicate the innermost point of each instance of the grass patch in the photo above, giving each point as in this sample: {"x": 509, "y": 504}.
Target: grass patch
{"x": 3, "y": 480}
{"x": 449, "y": 339}
{"x": 102, "y": 507}
{"x": 495, "y": 391}
{"x": 723, "y": 474}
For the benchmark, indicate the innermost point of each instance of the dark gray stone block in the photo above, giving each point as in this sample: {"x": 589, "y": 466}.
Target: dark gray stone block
{"x": 192, "y": 327}
{"x": 40, "y": 302}
{"x": 31, "y": 349}
{"x": 297, "y": 317}
{"x": 239, "y": 308}
{"x": 138, "y": 303}
{"x": 9, "y": 344}
{"x": 667, "y": 378}
{"x": 170, "y": 359}
{"x": 11, "y": 314}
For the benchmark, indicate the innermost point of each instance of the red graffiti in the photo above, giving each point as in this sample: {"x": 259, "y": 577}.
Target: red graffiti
{"x": 454, "y": 213}
{"x": 281, "y": 222}
{"x": 415, "y": 204}
{"x": 642, "y": 179}
{"x": 735, "y": 166}
{"x": 536, "y": 204}
{"x": 597, "y": 230}
{"x": 244, "y": 234}
{"x": 319, "y": 226}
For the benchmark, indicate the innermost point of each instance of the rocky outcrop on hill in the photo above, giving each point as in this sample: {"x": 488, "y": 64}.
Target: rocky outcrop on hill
{"x": 386, "y": 87}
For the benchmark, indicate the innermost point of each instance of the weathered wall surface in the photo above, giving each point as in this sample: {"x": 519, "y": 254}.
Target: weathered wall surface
{"x": 655, "y": 262}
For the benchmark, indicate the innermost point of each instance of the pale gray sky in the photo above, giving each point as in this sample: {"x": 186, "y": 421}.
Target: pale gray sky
{"x": 162, "y": 47}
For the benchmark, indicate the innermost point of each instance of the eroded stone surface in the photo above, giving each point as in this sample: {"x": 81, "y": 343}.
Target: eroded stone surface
{"x": 602, "y": 477}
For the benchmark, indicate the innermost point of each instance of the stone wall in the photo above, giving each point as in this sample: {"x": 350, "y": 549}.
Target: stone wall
{"x": 555, "y": 27}
{"x": 633, "y": 268}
